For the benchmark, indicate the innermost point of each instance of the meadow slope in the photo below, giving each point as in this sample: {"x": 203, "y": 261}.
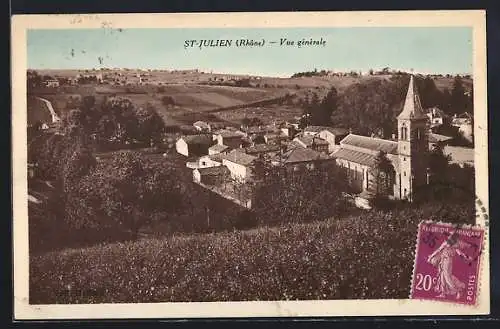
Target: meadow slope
{"x": 363, "y": 256}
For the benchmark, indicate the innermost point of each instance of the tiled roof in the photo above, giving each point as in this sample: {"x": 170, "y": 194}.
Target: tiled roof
{"x": 366, "y": 159}
{"x": 239, "y": 157}
{"x": 218, "y": 147}
{"x": 308, "y": 140}
{"x": 336, "y": 131}
{"x": 216, "y": 157}
{"x": 230, "y": 134}
{"x": 371, "y": 143}
{"x": 261, "y": 148}
{"x": 213, "y": 171}
{"x": 201, "y": 124}
{"x": 315, "y": 129}
{"x": 302, "y": 154}
{"x": 198, "y": 139}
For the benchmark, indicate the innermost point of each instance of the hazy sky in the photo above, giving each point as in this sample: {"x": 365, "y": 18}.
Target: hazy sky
{"x": 426, "y": 50}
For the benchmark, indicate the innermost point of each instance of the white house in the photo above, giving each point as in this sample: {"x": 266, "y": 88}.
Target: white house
{"x": 52, "y": 83}
{"x": 193, "y": 145}
{"x": 333, "y": 136}
{"x": 239, "y": 164}
{"x": 436, "y": 117}
{"x": 206, "y": 161}
{"x": 229, "y": 138}
{"x": 211, "y": 175}
{"x": 202, "y": 126}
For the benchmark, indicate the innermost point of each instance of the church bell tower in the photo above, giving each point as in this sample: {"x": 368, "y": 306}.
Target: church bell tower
{"x": 413, "y": 145}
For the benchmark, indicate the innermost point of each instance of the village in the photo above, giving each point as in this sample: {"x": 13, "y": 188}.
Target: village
{"x": 226, "y": 155}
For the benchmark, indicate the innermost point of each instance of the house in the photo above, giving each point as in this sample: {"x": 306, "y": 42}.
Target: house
{"x": 333, "y": 136}
{"x": 229, "y": 138}
{"x": 202, "y": 126}
{"x": 193, "y": 145}
{"x": 464, "y": 123}
{"x": 436, "y": 117}
{"x": 289, "y": 131}
{"x": 313, "y": 142}
{"x": 239, "y": 164}
{"x": 437, "y": 139}
{"x": 407, "y": 156}
{"x": 211, "y": 175}
{"x": 298, "y": 156}
{"x": 206, "y": 161}
{"x": 52, "y": 83}
{"x": 272, "y": 138}
{"x": 217, "y": 148}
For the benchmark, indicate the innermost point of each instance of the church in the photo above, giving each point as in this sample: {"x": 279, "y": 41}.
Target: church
{"x": 407, "y": 155}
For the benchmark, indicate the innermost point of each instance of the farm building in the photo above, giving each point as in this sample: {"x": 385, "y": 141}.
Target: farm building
{"x": 407, "y": 156}
{"x": 193, "y": 145}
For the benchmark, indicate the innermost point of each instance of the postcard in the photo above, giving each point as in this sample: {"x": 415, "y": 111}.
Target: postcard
{"x": 215, "y": 165}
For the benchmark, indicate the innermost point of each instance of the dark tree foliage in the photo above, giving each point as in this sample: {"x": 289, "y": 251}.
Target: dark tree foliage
{"x": 298, "y": 195}
{"x": 382, "y": 173}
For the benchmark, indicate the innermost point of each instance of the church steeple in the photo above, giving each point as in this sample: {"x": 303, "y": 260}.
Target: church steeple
{"x": 413, "y": 145}
{"x": 412, "y": 109}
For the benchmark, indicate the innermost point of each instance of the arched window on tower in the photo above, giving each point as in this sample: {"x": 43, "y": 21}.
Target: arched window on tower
{"x": 404, "y": 133}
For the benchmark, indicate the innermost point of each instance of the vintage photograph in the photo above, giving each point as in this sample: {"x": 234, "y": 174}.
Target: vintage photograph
{"x": 252, "y": 164}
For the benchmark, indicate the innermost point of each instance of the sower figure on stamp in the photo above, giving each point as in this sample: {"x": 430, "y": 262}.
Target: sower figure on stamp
{"x": 442, "y": 258}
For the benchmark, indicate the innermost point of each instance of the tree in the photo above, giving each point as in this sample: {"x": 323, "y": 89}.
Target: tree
{"x": 458, "y": 99}
{"x": 34, "y": 79}
{"x": 127, "y": 193}
{"x": 438, "y": 162}
{"x": 283, "y": 194}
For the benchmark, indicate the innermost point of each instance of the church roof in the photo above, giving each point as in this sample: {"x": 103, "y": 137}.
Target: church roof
{"x": 412, "y": 108}
{"x": 362, "y": 158}
{"x": 371, "y": 143}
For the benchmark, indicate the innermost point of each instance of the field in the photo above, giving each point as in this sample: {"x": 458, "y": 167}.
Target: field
{"x": 333, "y": 259}
{"x": 460, "y": 154}
{"x": 194, "y": 97}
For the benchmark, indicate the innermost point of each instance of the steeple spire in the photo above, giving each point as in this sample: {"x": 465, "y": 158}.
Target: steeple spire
{"x": 412, "y": 108}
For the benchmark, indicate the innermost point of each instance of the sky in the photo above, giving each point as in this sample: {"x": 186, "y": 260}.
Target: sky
{"x": 424, "y": 50}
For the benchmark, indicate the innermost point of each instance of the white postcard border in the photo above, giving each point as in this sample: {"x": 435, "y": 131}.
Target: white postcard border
{"x": 21, "y": 23}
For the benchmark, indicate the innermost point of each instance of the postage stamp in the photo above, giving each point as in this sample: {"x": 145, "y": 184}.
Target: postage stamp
{"x": 447, "y": 263}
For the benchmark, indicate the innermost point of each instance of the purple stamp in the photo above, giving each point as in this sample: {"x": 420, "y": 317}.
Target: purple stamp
{"x": 446, "y": 264}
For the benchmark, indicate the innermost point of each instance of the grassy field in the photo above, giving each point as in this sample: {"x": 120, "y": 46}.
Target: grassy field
{"x": 365, "y": 256}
